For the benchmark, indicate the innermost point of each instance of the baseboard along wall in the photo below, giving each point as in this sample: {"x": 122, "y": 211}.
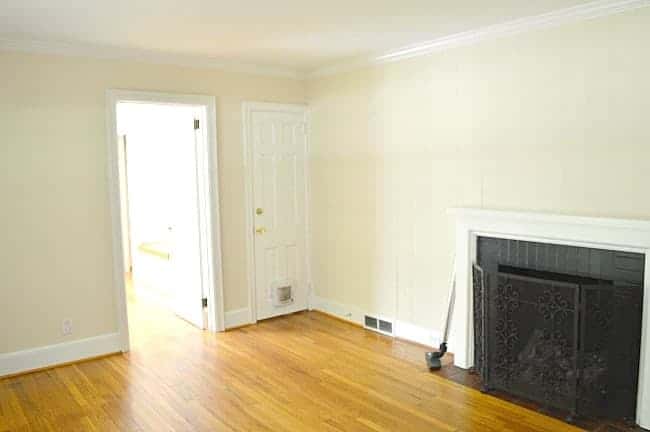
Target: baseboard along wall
{"x": 52, "y": 355}
{"x": 401, "y": 329}
{"x": 237, "y": 318}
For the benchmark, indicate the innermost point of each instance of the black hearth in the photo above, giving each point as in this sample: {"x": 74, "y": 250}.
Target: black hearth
{"x": 559, "y": 325}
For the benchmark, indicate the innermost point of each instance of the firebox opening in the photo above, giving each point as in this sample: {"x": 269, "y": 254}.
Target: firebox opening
{"x": 559, "y": 325}
{"x": 552, "y": 276}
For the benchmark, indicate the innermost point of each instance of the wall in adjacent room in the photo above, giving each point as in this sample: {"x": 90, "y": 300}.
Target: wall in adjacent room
{"x": 553, "y": 120}
{"x": 55, "y": 259}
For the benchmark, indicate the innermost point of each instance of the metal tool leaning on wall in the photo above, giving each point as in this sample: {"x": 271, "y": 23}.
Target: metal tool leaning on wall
{"x": 434, "y": 358}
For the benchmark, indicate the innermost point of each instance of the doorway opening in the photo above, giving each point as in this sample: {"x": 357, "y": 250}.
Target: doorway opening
{"x": 164, "y": 185}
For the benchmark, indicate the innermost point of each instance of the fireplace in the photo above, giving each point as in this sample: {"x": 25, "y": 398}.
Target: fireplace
{"x": 630, "y": 239}
{"x": 559, "y": 325}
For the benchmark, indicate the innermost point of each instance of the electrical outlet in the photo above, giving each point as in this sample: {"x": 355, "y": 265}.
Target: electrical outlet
{"x": 66, "y": 327}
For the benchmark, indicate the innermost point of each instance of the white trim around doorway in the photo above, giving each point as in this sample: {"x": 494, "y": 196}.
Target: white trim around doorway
{"x": 215, "y": 287}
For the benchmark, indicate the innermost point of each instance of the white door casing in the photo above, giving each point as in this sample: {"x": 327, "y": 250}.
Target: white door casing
{"x": 214, "y": 294}
{"x": 276, "y": 145}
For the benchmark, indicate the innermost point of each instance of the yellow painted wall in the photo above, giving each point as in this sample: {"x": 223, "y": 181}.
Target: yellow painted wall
{"x": 552, "y": 121}
{"x": 55, "y": 240}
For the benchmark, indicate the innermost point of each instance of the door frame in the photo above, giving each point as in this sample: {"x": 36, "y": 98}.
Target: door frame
{"x": 248, "y": 108}
{"x": 215, "y": 286}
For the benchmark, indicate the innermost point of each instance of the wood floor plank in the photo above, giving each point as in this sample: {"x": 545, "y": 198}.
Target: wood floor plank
{"x": 303, "y": 372}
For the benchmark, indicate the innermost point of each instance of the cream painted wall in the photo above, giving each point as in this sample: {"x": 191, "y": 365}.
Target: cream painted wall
{"x": 55, "y": 259}
{"x": 552, "y": 121}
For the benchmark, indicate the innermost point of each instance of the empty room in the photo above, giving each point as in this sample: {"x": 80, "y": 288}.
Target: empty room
{"x": 414, "y": 215}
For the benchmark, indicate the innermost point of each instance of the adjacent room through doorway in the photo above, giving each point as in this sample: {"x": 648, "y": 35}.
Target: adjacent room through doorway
{"x": 164, "y": 212}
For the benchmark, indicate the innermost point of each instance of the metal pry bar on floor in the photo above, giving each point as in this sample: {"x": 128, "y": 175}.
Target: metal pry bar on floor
{"x": 433, "y": 358}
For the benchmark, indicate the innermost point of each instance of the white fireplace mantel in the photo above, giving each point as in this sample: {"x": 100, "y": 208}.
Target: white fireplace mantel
{"x": 612, "y": 234}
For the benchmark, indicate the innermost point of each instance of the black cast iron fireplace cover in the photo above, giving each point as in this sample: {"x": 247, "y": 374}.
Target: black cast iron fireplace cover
{"x": 559, "y": 325}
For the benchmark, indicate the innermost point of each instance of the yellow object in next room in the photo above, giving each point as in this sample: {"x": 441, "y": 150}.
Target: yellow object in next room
{"x": 159, "y": 249}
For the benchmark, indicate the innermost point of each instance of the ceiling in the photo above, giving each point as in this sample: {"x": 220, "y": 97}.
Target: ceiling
{"x": 301, "y": 35}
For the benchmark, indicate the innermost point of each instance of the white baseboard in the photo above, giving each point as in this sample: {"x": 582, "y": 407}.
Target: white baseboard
{"x": 52, "y": 355}
{"x": 347, "y": 312}
{"x": 418, "y": 334}
{"x": 402, "y": 329}
{"x": 237, "y": 317}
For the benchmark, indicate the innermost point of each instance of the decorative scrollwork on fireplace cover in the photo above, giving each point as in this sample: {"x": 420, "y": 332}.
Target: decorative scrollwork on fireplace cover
{"x": 533, "y": 338}
{"x": 549, "y": 360}
{"x": 478, "y": 282}
{"x": 552, "y": 305}
{"x": 560, "y": 324}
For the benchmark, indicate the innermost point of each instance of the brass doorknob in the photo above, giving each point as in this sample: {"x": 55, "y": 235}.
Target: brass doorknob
{"x": 260, "y": 230}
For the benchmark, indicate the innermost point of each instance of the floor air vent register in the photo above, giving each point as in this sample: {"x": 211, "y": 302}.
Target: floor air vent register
{"x": 378, "y": 325}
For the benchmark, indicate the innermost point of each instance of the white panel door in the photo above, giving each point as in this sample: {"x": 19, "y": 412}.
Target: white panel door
{"x": 187, "y": 246}
{"x": 279, "y": 197}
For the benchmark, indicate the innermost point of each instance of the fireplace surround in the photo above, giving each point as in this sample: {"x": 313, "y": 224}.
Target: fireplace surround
{"x": 626, "y": 236}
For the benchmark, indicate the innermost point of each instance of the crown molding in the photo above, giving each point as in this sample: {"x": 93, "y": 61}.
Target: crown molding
{"x": 586, "y": 11}
{"x": 146, "y": 56}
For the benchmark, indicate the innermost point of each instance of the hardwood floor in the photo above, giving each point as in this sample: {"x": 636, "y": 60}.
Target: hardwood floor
{"x": 302, "y": 372}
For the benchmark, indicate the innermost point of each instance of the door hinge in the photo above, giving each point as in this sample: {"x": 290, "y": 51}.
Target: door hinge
{"x": 204, "y": 302}
{"x": 197, "y": 124}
